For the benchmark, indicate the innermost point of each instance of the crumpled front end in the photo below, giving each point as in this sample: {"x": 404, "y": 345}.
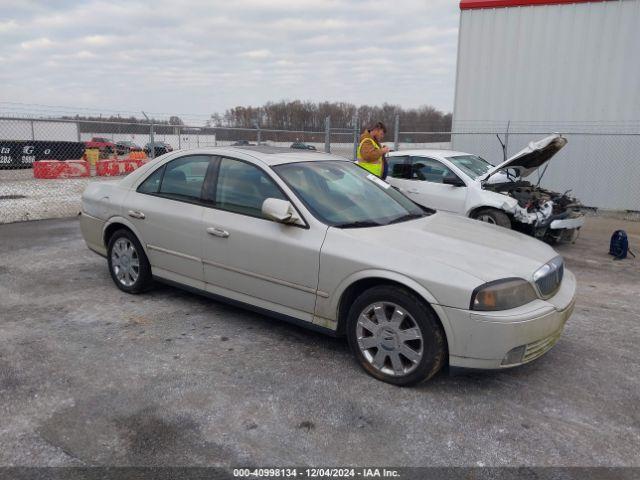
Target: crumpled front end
{"x": 542, "y": 213}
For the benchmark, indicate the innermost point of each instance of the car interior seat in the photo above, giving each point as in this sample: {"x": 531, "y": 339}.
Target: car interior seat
{"x": 175, "y": 181}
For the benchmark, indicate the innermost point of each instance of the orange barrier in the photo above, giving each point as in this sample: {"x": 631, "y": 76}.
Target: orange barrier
{"x": 113, "y": 168}
{"x": 137, "y": 155}
{"x": 60, "y": 168}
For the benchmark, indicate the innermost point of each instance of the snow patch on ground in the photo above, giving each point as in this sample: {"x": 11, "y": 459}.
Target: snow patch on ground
{"x": 43, "y": 198}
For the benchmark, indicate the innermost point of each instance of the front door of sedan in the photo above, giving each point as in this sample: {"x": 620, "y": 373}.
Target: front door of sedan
{"x": 166, "y": 209}
{"x": 251, "y": 258}
{"x": 422, "y": 180}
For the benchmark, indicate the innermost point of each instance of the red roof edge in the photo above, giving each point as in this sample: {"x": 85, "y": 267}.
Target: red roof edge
{"x": 473, "y": 4}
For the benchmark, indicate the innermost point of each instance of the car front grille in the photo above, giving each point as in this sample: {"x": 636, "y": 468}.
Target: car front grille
{"x": 539, "y": 348}
{"x": 549, "y": 277}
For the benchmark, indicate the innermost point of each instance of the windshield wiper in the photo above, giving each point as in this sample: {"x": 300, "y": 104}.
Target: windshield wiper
{"x": 408, "y": 216}
{"x": 358, "y": 224}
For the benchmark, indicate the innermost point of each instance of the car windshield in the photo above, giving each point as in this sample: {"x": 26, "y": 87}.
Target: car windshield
{"x": 473, "y": 165}
{"x": 342, "y": 194}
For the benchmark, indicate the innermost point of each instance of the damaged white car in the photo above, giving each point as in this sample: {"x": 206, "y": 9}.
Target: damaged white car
{"x": 467, "y": 184}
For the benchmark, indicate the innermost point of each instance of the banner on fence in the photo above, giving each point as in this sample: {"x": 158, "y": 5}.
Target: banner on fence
{"x": 15, "y": 153}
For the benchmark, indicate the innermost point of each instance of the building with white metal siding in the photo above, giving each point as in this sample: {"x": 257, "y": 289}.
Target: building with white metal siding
{"x": 568, "y": 66}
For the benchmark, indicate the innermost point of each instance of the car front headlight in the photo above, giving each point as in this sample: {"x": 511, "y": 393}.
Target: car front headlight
{"x": 502, "y": 295}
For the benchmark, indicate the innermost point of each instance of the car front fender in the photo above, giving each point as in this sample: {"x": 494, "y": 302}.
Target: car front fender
{"x": 329, "y": 307}
{"x": 484, "y": 199}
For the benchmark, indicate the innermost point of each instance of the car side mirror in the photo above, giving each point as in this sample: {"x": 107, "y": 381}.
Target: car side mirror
{"x": 453, "y": 180}
{"x": 282, "y": 211}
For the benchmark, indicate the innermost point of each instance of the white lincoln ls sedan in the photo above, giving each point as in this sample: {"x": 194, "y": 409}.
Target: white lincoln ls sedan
{"x": 314, "y": 239}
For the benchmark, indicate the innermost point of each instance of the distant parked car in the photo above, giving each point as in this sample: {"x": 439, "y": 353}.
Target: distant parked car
{"x": 160, "y": 148}
{"x": 106, "y": 146}
{"x": 302, "y": 146}
{"x": 124, "y": 147}
{"x": 241, "y": 143}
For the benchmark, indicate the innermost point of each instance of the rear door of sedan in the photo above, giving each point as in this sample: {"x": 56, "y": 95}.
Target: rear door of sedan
{"x": 251, "y": 258}
{"x": 167, "y": 208}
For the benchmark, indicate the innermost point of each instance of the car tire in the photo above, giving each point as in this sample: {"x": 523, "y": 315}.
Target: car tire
{"x": 128, "y": 263}
{"x": 410, "y": 347}
{"x": 493, "y": 216}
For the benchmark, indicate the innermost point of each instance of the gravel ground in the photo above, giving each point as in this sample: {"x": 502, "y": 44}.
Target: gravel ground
{"x": 92, "y": 376}
{"x": 23, "y": 197}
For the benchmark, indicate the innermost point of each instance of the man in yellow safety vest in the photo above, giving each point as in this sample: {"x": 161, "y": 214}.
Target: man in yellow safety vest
{"x": 370, "y": 151}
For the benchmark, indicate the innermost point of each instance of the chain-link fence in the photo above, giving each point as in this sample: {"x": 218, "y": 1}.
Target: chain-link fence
{"x": 45, "y": 163}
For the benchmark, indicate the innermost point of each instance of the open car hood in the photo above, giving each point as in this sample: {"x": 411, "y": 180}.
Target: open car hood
{"x": 532, "y": 157}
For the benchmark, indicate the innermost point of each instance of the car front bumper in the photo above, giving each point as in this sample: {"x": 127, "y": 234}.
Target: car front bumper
{"x": 505, "y": 339}
{"x": 567, "y": 223}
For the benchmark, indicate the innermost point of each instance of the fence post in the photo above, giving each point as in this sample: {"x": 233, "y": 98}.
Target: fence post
{"x": 396, "y": 132}
{"x": 33, "y": 132}
{"x": 356, "y": 136}
{"x": 259, "y": 133}
{"x": 152, "y": 150}
{"x": 78, "y": 129}
{"x": 327, "y": 134}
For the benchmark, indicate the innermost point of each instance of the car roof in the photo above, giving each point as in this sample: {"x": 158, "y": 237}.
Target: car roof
{"x": 270, "y": 155}
{"x": 429, "y": 153}
{"x": 265, "y": 154}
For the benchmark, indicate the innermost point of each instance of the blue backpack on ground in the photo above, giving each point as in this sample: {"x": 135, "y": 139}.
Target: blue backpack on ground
{"x": 619, "y": 245}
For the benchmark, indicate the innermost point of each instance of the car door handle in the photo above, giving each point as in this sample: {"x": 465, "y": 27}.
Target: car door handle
{"x": 217, "y": 232}
{"x": 136, "y": 214}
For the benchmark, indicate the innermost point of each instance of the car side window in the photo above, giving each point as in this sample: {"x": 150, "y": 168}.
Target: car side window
{"x": 399, "y": 167}
{"x": 429, "y": 170}
{"x": 183, "y": 177}
{"x": 243, "y": 188}
{"x": 152, "y": 183}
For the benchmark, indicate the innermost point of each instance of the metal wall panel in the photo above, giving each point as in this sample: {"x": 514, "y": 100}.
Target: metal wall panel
{"x": 571, "y": 68}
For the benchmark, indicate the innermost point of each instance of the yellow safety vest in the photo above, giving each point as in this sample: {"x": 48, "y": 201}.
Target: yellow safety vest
{"x": 373, "y": 167}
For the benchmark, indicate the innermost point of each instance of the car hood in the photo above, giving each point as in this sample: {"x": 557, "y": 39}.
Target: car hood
{"x": 484, "y": 251}
{"x": 532, "y": 157}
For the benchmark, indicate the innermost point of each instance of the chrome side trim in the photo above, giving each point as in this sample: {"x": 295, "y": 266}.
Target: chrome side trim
{"x": 84, "y": 214}
{"x": 172, "y": 252}
{"x": 266, "y": 278}
{"x": 303, "y": 288}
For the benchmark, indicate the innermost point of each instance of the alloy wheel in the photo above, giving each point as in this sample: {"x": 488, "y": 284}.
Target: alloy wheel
{"x": 389, "y": 338}
{"x": 125, "y": 261}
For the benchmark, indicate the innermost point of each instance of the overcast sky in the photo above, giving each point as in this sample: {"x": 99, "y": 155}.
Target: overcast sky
{"x": 204, "y": 56}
